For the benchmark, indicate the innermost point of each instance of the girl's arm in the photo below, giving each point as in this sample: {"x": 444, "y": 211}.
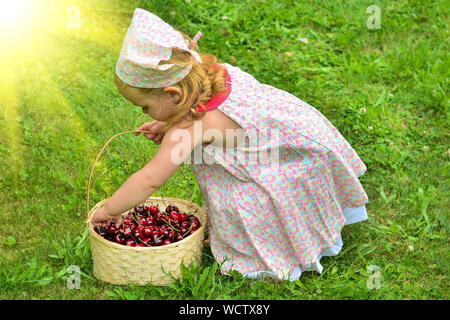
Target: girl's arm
{"x": 177, "y": 144}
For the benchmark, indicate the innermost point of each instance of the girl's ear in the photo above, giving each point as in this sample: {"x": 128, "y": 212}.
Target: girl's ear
{"x": 174, "y": 92}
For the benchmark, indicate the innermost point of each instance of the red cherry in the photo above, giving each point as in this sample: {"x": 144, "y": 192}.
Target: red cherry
{"x": 195, "y": 224}
{"x": 140, "y": 245}
{"x": 154, "y": 209}
{"x": 112, "y": 229}
{"x": 146, "y": 240}
{"x": 127, "y": 231}
{"x": 137, "y": 234}
{"x": 171, "y": 207}
{"x": 192, "y": 231}
{"x": 130, "y": 243}
{"x": 185, "y": 224}
{"x": 172, "y": 235}
{"x": 139, "y": 209}
{"x": 132, "y": 226}
{"x": 119, "y": 238}
{"x": 147, "y": 231}
{"x": 103, "y": 232}
{"x": 164, "y": 226}
{"x": 143, "y": 222}
{"x": 158, "y": 242}
{"x": 160, "y": 217}
{"x": 179, "y": 237}
{"x": 173, "y": 214}
{"x": 150, "y": 221}
{"x": 155, "y": 234}
{"x": 176, "y": 222}
{"x": 182, "y": 215}
{"x": 164, "y": 232}
{"x": 192, "y": 217}
{"x": 166, "y": 242}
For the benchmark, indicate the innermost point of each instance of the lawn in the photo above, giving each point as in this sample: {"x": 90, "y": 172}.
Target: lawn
{"x": 385, "y": 89}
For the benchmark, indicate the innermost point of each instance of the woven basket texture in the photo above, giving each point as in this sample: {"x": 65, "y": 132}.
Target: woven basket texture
{"x": 119, "y": 264}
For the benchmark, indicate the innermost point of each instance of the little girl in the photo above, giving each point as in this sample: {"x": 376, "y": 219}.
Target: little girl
{"x": 265, "y": 218}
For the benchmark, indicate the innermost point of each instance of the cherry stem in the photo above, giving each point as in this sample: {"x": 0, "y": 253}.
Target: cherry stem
{"x": 148, "y": 245}
{"x": 190, "y": 228}
{"x": 135, "y": 219}
{"x": 170, "y": 225}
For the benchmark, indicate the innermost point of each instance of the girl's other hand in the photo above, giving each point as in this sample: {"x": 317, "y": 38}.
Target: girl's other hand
{"x": 101, "y": 218}
{"x": 156, "y": 128}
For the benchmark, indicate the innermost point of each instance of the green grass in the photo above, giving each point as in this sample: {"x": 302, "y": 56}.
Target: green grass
{"x": 386, "y": 90}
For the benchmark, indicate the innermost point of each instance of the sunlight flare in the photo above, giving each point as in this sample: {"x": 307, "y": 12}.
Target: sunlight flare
{"x": 13, "y": 13}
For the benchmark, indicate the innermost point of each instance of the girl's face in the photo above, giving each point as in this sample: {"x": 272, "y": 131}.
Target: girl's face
{"x": 158, "y": 107}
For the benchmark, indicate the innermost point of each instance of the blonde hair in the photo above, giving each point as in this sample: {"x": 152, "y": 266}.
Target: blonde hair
{"x": 197, "y": 87}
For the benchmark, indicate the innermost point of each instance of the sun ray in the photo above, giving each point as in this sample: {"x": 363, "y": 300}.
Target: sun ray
{"x": 54, "y": 112}
{"x": 33, "y": 35}
{"x": 10, "y": 130}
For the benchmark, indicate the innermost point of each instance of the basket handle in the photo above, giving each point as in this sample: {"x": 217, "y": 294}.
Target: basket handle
{"x": 95, "y": 162}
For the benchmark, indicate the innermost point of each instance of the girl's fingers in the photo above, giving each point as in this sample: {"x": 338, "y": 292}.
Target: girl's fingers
{"x": 139, "y": 129}
{"x": 155, "y": 128}
{"x": 158, "y": 138}
{"x": 146, "y": 127}
{"x": 118, "y": 220}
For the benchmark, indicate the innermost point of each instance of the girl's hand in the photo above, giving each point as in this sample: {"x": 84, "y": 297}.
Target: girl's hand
{"x": 156, "y": 128}
{"x": 101, "y": 218}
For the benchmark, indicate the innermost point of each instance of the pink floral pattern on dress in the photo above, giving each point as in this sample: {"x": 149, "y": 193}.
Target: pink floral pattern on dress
{"x": 276, "y": 218}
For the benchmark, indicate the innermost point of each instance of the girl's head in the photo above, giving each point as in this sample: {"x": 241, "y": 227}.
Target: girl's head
{"x": 178, "y": 101}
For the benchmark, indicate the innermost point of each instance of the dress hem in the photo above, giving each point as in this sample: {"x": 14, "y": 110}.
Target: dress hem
{"x": 352, "y": 215}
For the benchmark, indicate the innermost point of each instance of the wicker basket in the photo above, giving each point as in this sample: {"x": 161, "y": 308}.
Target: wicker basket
{"x": 119, "y": 264}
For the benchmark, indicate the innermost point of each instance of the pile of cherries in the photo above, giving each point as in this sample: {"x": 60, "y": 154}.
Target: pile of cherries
{"x": 147, "y": 226}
